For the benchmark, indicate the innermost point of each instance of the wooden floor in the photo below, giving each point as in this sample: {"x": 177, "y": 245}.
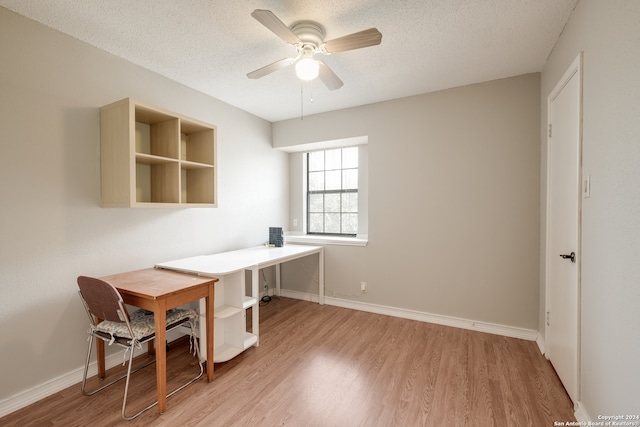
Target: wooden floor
{"x": 329, "y": 366}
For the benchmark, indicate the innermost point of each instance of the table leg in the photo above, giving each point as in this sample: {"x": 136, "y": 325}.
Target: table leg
{"x": 100, "y": 357}
{"x": 209, "y": 300}
{"x": 160, "y": 316}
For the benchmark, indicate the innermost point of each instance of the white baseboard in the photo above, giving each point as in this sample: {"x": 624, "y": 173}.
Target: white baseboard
{"x": 300, "y": 295}
{"x": 508, "y": 331}
{"x": 32, "y": 395}
{"x": 581, "y": 413}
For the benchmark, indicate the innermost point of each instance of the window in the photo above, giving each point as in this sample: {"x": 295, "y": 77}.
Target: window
{"x": 332, "y": 192}
{"x": 300, "y": 230}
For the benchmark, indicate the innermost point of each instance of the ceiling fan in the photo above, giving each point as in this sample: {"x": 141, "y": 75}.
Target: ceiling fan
{"x": 307, "y": 37}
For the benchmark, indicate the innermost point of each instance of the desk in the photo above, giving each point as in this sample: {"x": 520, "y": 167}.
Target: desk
{"x": 229, "y": 268}
{"x": 158, "y": 291}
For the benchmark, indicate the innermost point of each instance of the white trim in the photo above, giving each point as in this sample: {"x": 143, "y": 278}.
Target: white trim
{"x": 581, "y": 413}
{"x": 40, "y": 391}
{"x": 298, "y": 237}
{"x": 304, "y": 296}
{"x": 540, "y": 342}
{"x": 325, "y": 145}
{"x": 55, "y": 385}
{"x": 456, "y": 322}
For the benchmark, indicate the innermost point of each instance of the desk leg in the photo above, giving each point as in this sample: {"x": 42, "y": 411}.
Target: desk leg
{"x": 321, "y": 277}
{"x": 255, "y": 315}
{"x": 160, "y": 315}
{"x": 278, "y": 280}
{"x": 209, "y": 300}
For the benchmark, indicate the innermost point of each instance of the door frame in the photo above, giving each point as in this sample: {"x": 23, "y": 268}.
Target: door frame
{"x": 576, "y": 68}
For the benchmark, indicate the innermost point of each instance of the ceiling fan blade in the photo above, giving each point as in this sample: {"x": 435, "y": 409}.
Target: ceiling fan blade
{"x": 268, "y": 69}
{"x": 272, "y": 22}
{"x": 328, "y": 77}
{"x": 365, "y": 38}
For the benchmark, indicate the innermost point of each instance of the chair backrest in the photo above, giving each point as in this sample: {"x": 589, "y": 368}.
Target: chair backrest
{"x": 102, "y": 299}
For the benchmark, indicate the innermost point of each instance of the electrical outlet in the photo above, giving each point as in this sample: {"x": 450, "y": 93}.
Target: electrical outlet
{"x": 363, "y": 286}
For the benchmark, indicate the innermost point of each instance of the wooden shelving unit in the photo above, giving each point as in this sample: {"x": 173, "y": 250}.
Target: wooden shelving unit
{"x": 152, "y": 157}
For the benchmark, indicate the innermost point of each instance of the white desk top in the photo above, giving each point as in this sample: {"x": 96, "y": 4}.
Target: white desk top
{"x": 229, "y": 262}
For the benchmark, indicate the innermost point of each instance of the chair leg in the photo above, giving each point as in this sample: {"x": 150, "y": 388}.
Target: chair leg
{"x": 126, "y": 387}
{"x": 194, "y": 342}
{"x": 86, "y": 369}
{"x": 130, "y": 371}
{"x": 126, "y": 390}
{"x": 102, "y": 387}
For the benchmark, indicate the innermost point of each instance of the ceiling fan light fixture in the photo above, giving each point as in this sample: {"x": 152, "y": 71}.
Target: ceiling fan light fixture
{"x": 307, "y": 38}
{"x": 307, "y": 68}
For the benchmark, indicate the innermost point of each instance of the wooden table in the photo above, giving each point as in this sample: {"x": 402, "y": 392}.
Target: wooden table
{"x": 159, "y": 290}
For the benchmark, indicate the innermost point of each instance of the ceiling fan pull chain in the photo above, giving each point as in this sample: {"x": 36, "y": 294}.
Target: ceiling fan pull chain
{"x": 301, "y": 102}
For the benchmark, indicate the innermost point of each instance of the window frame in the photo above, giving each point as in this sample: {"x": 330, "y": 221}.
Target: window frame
{"x": 309, "y": 192}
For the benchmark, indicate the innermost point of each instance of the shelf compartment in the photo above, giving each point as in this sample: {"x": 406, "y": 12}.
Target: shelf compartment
{"x": 159, "y": 138}
{"x": 197, "y": 144}
{"x": 197, "y": 183}
{"x": 156, "y": 182}
{"x": 226, "y": 352}
{"x": 248, "y": 302}
{"x": 249, "y": 340}
{"x": 225, "y": 311}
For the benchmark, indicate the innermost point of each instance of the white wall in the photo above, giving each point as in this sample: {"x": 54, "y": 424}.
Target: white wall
{"x": 453, "y": 201}
{"x": 52, "y": 227}
{"x": 608, "y": 32}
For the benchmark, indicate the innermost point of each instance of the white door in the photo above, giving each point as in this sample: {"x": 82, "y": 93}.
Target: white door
{"x": 563, "y": 227}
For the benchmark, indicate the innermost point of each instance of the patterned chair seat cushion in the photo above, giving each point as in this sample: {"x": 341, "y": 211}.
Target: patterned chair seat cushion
{"x": 142, "y": 323}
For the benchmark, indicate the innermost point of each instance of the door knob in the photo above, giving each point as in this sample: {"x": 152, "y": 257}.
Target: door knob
{"x": 571, "y": 256}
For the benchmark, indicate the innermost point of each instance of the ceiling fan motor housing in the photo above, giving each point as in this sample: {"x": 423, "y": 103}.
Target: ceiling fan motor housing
{"x": 309, "y": 33}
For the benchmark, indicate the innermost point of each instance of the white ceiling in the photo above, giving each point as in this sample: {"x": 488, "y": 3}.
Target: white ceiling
{"x": 210, "y": 45}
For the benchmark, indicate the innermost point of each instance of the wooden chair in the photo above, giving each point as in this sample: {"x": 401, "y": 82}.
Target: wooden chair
{"x": 110, "y": 321}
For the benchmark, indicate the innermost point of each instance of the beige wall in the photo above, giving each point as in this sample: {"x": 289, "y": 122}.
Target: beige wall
{"x": 608, "y": 32}
{"x": 52, "y": 227}
{"x": 453, "y": 201}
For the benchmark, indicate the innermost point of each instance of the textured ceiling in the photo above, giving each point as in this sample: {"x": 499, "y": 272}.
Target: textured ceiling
{"x": 210, "y": 45}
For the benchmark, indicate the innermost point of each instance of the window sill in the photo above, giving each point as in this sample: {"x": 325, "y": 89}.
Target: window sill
{"x": 295, "y": 237}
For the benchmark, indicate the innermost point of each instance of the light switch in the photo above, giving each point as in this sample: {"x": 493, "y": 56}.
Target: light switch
{"x": 586, "y": 187}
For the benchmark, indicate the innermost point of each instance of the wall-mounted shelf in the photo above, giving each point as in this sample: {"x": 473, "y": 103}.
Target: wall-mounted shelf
{"x": 152, "y": 157}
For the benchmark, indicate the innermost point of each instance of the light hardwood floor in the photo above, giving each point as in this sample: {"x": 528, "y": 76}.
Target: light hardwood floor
{"x": 329, "y": 366}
